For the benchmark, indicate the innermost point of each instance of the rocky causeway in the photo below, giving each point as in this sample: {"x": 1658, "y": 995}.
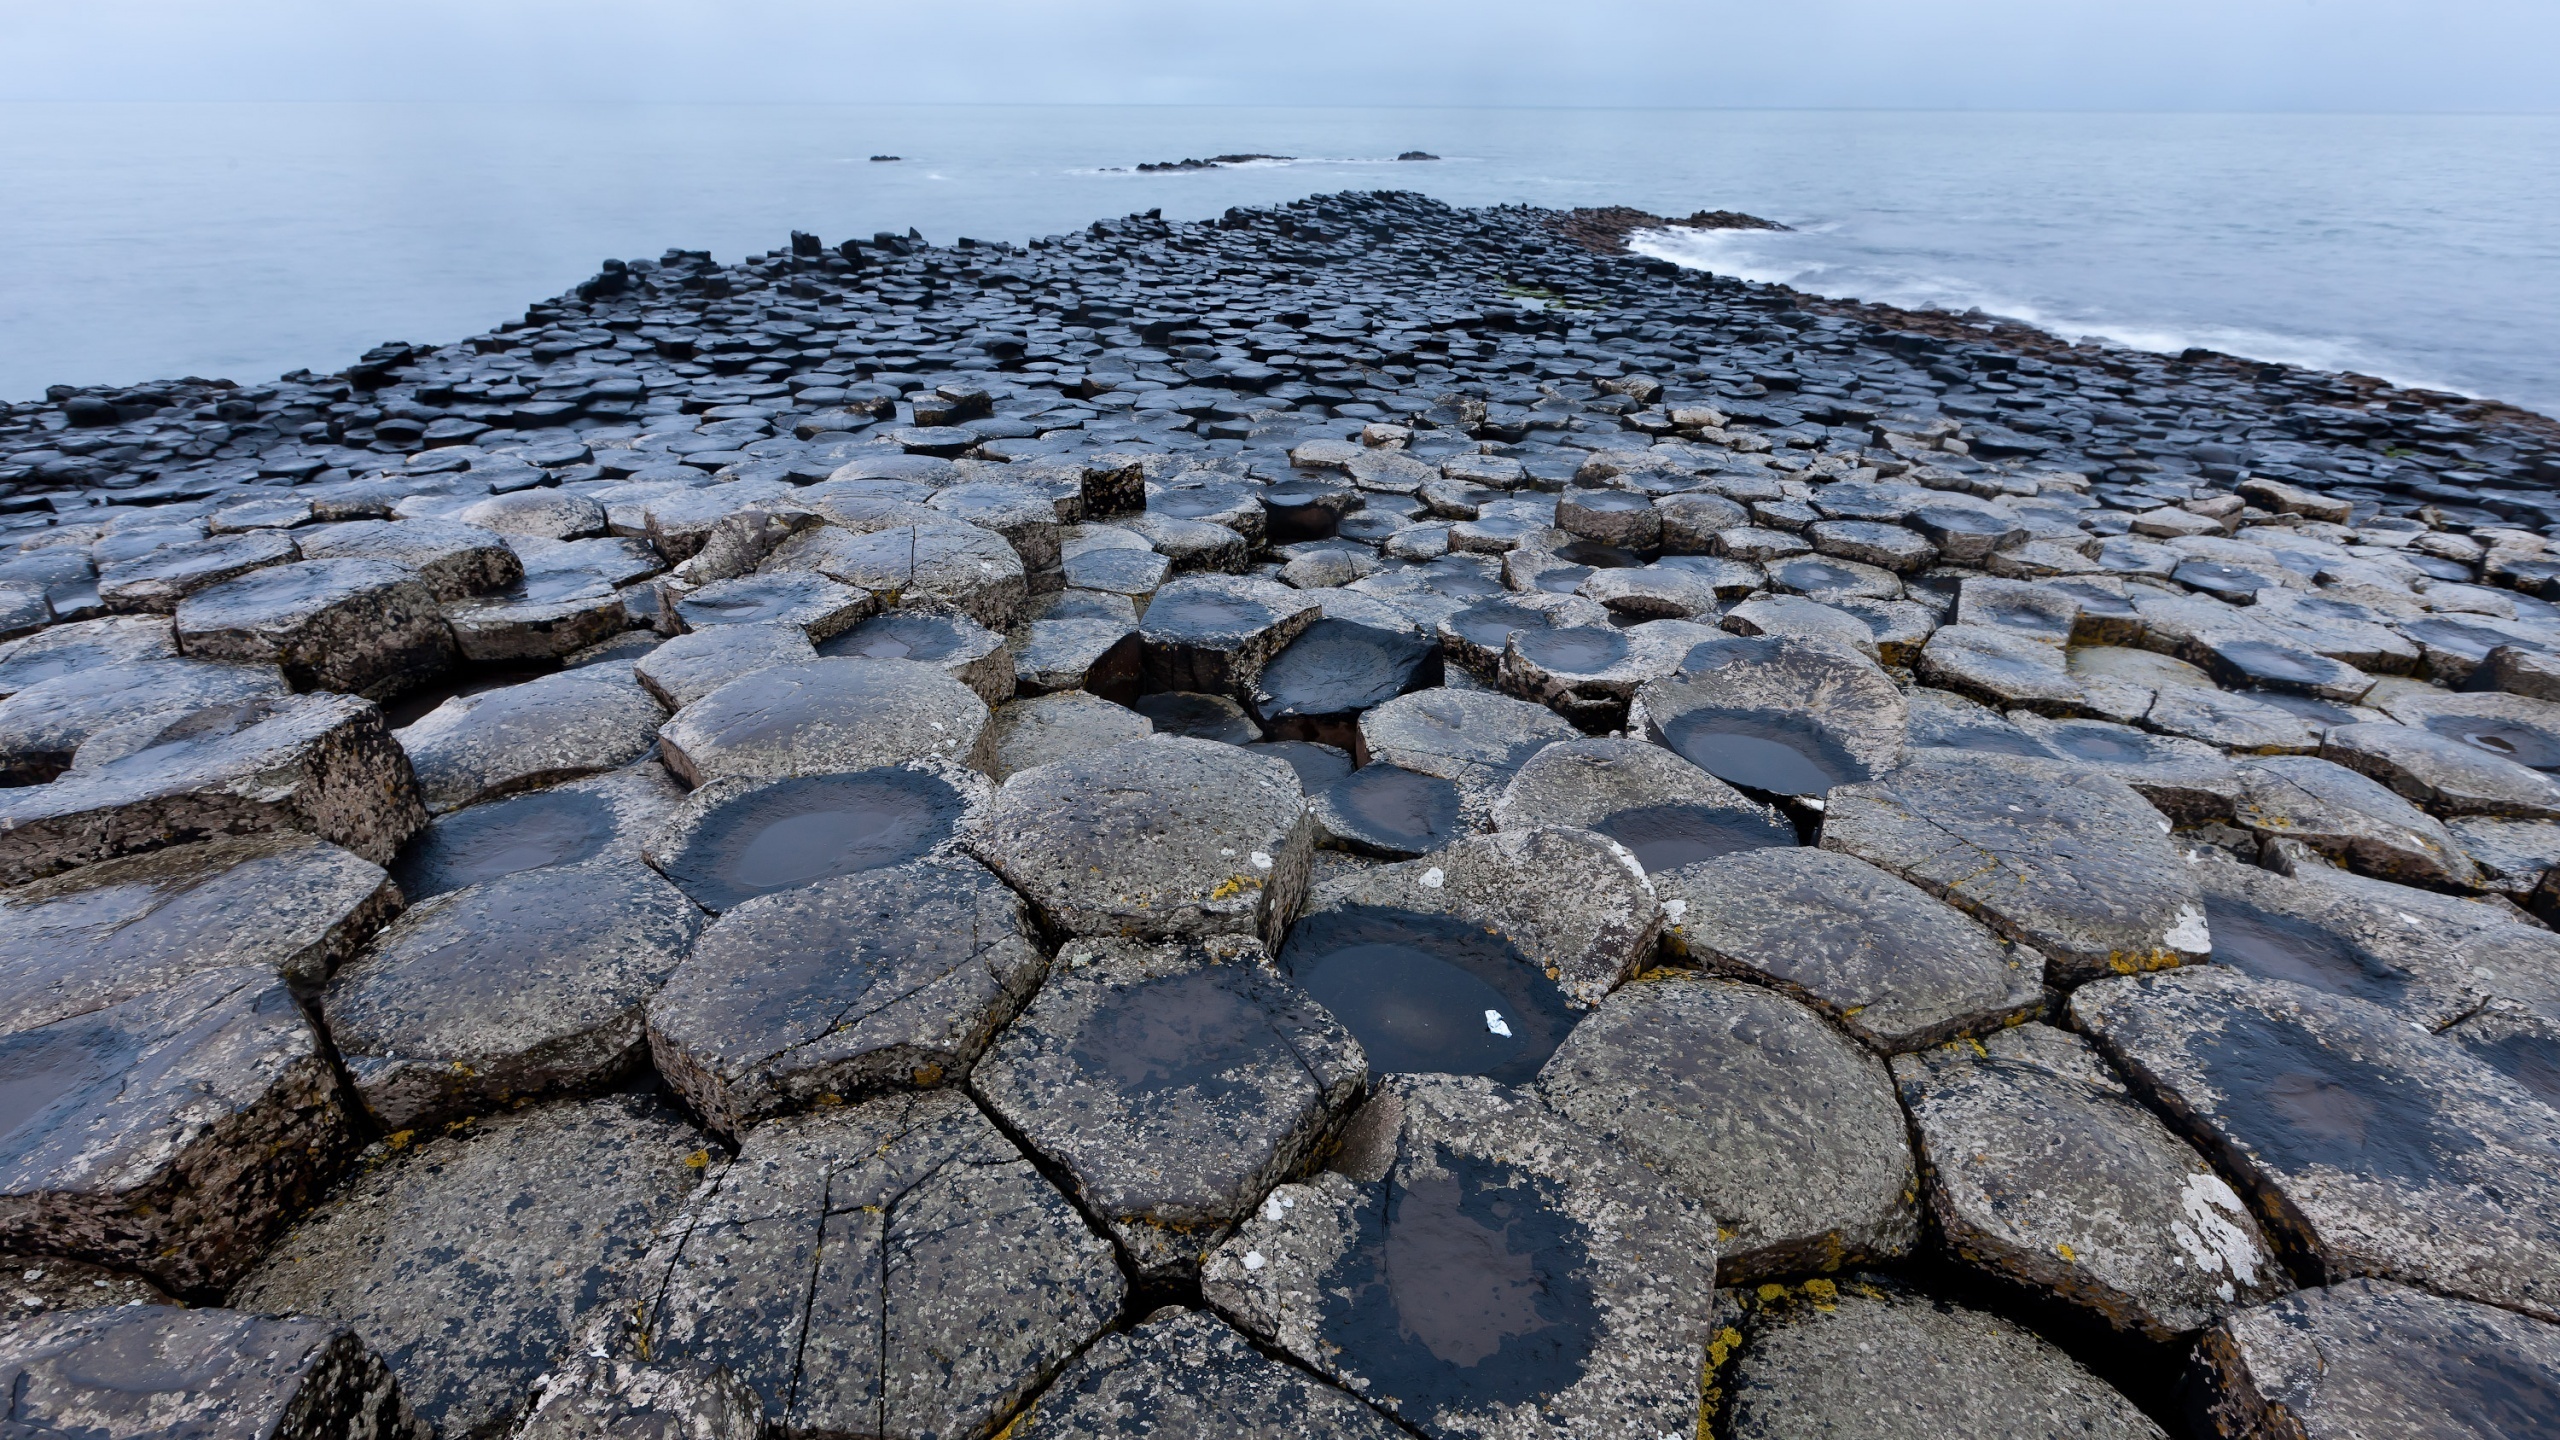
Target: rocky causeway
{"x": 1361, "y": 819}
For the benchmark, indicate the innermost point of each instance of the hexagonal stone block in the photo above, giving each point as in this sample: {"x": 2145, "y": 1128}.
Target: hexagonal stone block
{"x": 826, "y": 716}
{"x": 539, "y": 513}
{"x": 128, "y": 1373}
{"x": 1890, "y": 964}
{"x": 814, "y": 604}
{"x": 466, "y": 1258}
{"x": 2367, "y": 1357}
{"x": 159, "y": 580}
{"x": 520, "y": 737}
{"x": 1664, "y": 810}
{"x": 102, "y": 934}
{"x": 84, "y": 646}
{"x": 692, "y": 665}
{"x": 1162, "y": 838}
{"x": 44, "y": 724}
{"x": 1387, "y": 811}
{"x": 1795, "y": 617}
{"x": 597, "y": 821}
{"x": 1186, "y": 1372}
{"x": 366, "y": 627}
{"x": 1474, "y": 1264}
{"x": 1589, "y": 675}
{"x": 2336, "y": 939}
{"x": 2044, "y": 1169}
{"x": 887, "y": 979}
{"x": 453, "y": 559}
{"x": 1199, "y": 717}
{"x": 169, "y": 1134}
{"x": 2001, "y": 668}
{"x": 1174, "y": 1085}
{"x": 1333, "y": 673}
{"x": 318, "y": 763}
{"x": 894, "y": 1268}
{"x": 2054, "y": 856}
{"x": 2186, "y": 780}
{"x": 965, "y": 650}
{"x": 1783, "y": 1129}
{"x": 735, "y": 839}
{"x": 2367, "y": 1143}
{"x": 1475, "y": 739}
{"x": 1865, "y": 1359}
{"x": 2444, "y": 774}
{"x": 955, "y": 563}
{"x": 544, "y": 617}
{"x": 1212, "y": 634}
{"x": 1043, "y": 728}
{"x": 2349, "y": 818}
{"x": 528, "y": 985}
{"x": 1776, "y": 715}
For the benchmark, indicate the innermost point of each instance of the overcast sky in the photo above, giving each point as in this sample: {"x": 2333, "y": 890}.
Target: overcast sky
{"x": 2350, "y": 55}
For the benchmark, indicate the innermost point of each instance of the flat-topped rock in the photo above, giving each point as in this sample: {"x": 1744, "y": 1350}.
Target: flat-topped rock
{"x": 1474, "y": 739}
{"x": 1164, "y": 838}
{"x": 2186, "y": 780}
{"x": 155, "y": 1371}
{"x": 2366, "y": 1142}
{"x": 1387, "y": 811}
{"x": 169, "y": 1134}
{"x": 1476, "y": 637}
{"x": 1044, "y": 728}
{"x": 964, "y": 649}
{"x": 601, "y": 820}
{"x": 1666, "y": 812}
{"x": 1474, "y": 1264}
{"x": 453, "y": 559}
{"x": 157, "y": 581}
{"x": 1890, "y": 963}
{"x": 2045, "y": 1170}
{"x": 44, "y": 724}
{"x": 523, "y": 986}
{"x": 818, "y": 606}
{"x": 891, "y": 978}
{"x": 2446, "y": 775}
{"x": 1213, "y": 634}
{"x": 2367, "y": 1357}
{"x": 2349, "y": 818}
{"x": 826, "y": 716}
{"x": 1173, "y": 1085}
{"x": 84, "y": 646}
{"x": 735, "y": 839}
{"x": 591, "y": 1398}
{"x": 949, "y": 561}
{"x": 1335, "y": 671}
{"x": 2054, "y": 856}
{"x": 690, "y": 666}
{"x": 1776, "y": 715}
{"x": 2334, "y": 938}
{"x": 520, "y": 737}
{"x": 1589, "y": 676}
{"x": 368, "y": 627}
{"x": 1186, "y": 1372}
{"x": 1783, "y": 1129}
{"x": 466, "y": 1258}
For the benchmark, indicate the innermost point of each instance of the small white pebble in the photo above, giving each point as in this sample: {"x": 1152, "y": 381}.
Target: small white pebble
{"x": 1432, "y": 878}
{"x": 1493, "y": 1022}
{"x": 1675, "y": 908}
{"x": 1253, "y": 1260}
{"x": 1226, "y": 852}
{"x": 1260, "y": 860}
{"x": 2164, "y": 827}
{"x": 1271, "y": 1208}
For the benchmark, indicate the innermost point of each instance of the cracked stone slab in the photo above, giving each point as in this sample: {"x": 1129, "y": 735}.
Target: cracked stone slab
{"x": 1475, "y": 1265}
{"x": 2371, "y": 947}
{"x": 2366, "y": 1143}
{"x": 466, "y": 1259}
{"x": 1476, "y": 740}
{"x": 1213, "y": 634}
{"x": 84, "y": 646}
{"x": 97, "y": 936}
{"x": 1174, "y": 1085}
{"x": 692, "y": 665}
{"x": 2052, "y": 855}
{"x": 2367, "y": 1357}
{"x": 317, "y": 763}
{"x": 948, "y": 561}
{"x": 2351, "y": 818}
{"x": 817, "y": 606}
{"x": 1474, "y": 638}
{"x": 1861, "y": 1359}
{"x": 154, "y": 1371}
{"x": 1575, "y": 903}
{"x": 600, "y": 1398}
{"x": 527, "y": 985}
{"x": 1777, "y": 715}
{"x": 2186, "y": 780}
{"x": 2240, "y": 724}
{"x": 1667, "y": 812}
{"x": 887, "y": 979}
{"x": 1043, "y": 728}
{"x": 824, "y": 716}
{"x": 170, "y": 1134}
{"x": 1186, "y": 1372}
{"x": 520, "y": 737}
{"x": 2043, "y": 1169}
{"x": 455, "y": 560}
{"x": 1161, "y": 838}
{"x": 2444, "y": 774}
{"x": 894, "y": 1268}
{"x": 601, "y": 820}
{"x": 964, "y": 649}
{"x": 1785, "y": 1130}
{"x": 2518, "y": 1041}
{"x": 159, "y": 580}
{"x": 1890, "y": 963}
{"x": 2003, "y": 668}
{"x": 366, "y": 627}
{"x": 44, "y": 724}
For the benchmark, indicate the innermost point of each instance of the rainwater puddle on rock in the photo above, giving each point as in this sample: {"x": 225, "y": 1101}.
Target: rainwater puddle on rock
{"x": 896, "y": 636}
{"x": 1666, "y": 837}
{"x": 1181, "y": 1032}
{"x": 414, "y": 706}
{"x": 1812, "y": 576}
{"x": 1598, "y": 556}
{"x": 2521, "y": 743}
{"x": 1491, "y": 623}
{"x": 1767, "y": 751}
{"x": 2280, "y": 947}
{"x": 1417, "y": 990}
{"x": 1317, "y": 765}
{"x": 1577, "y": 650}
{"x": 1564, "y": 579}
{"x": 2268, "y": 664}
{"x": 2463, "y": 1379}
{"x": 1394, "y": 811}
{"x": 812, "y": 828}
{"x": 524, "y": 832}
{"x": 1465, "y": 1290}
{"x": 2301, "y": 1104}
{"x": 2105, "y": 746}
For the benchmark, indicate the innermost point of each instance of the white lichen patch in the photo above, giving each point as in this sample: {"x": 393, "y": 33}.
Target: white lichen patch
{"x": 2215, "y": 1233}
{"x": 1434, "y": 878}
{"x": 2188, "y": 934}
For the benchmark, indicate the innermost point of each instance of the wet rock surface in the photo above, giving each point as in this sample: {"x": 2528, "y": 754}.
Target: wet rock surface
{"x": 2367, "y": 1357}
{"x": 596, "y": 821}
{"x": 155, "y": 1371}
{"x": 1186, "y": 1372}
{"x": 498, "y": 742}
{"x": 823, "y": 716}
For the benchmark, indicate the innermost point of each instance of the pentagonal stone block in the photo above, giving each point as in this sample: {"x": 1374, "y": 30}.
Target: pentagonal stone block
{"x": 2002, "y": 668}
{"x": 2378, "y": 1148}
{"x": 1186, "y": 1372}
{"x": 1173, "y": 1084}
{"x": 2045, "y": 1170}
{"x": 1043, "y": 728}
{"x": 892, "y": 978}
{"x": 733, "y": 840}
{"x": 102, "y": 934}
{"x": 528, "y": 985}
{"x": 1667, "y": 812}
{"x": 1784, "y": 1130}
{"x": 1892, "y": 965}
{"x": 467, "y": 1257}
{"x": 964, "y": 649}
{"x": 892, "y": 1268}
{"x": 1781, "y": 716}
{"x": 1157, "y": 838}
{"x": 367, "y": 627}
{"x": 171, "y": 1133}
{"x": 2349, "y": 818}
{"x": 520, "y": 737}
{"x": 826, "y": 716}
{"x": 2367, "y": 1357}
{"x": 1212, "y": 634}
{"x": 543, "y": 617}
{"x": 597, "y": 821}
{"x": 2057, "y": 857}
{"x": 318, "y": 763}
{"x": 44, "y": 724}
{"x": 1474, "y": 1264}
{"x": 453, "y": 559}
{"x": 153, "y": 1371}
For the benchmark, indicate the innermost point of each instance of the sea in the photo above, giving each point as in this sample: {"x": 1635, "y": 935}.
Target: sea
{"x": 148, "y": 241}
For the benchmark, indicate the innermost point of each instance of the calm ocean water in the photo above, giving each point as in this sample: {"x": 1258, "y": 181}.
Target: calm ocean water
{"x": 143, "y": 241}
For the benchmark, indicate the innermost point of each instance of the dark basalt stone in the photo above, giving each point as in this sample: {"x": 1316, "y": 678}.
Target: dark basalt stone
{"x": 1389, "y": 811}
{"x": 1185, "y": 1372}
{"x": 2367, "y": 1357}
{"x": 595, "y": 820}
{"x": 1317, "y": 765}
{"x": 1335, "y": 671}
{"x": 154, "y": 1371}
{"x": 737, "y": 839}
{"x": 1429, "y": 993}
{"x": 1198, "y": 717}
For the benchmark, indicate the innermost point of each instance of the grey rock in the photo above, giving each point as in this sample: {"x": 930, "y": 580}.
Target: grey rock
{"x": 2389, "y": 949}
{"x": 2002, "y": 668}
{"x": 1590, "y": 676}
{"x": 2236, "y": 723}
{"x": 2444, "y": 774}
{"x": 824, "y": 716}
{"x": 740, "y": 837}
{"x": 1213, "y": 634}
{"x": 600, "y": 821}
{"x": 2188, "y": 781}
{"x": 591, "y": 1398}
{"x": 1476, "y": 636}
{"x": 964, "y": 649}
{"x": 544, "y": 618}
{"x": 1199, "y": 717}
{"x": 154, "y": 1371}
{"x": 1667, "y": 812}
{"x": 1796, "y": 617}
{"x": 540, "y": 514}
{"x": 1784, "y": 1130}
{"x": 1044, "y": 728}
{"x": 2367, "y": 1357}
{"x": 83, "y": 647}
{"x": 2518, "y": 1041}
{"x": 2348, "y": 817}
{"x": 159, "y": 580}
{"x": 33, "y": 1285}
{"x": 817, "y": 606}
{"x": 958, "y": 564}
{"x": 2030, "y": 610}
{"x": 453, "y": 559}
{"x": 1478, "y": 741}
{"x": 692, "y": 665}
{"x": 43, "y": 726}
{"x": 1777, "y": 715}
{"x": 1386, "y": 811}
{"x": 498, "y": 742}
{"x": 1185, "y": 1372}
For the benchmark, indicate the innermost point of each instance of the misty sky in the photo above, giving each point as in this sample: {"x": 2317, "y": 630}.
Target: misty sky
{"x": 2336, "y": 55}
